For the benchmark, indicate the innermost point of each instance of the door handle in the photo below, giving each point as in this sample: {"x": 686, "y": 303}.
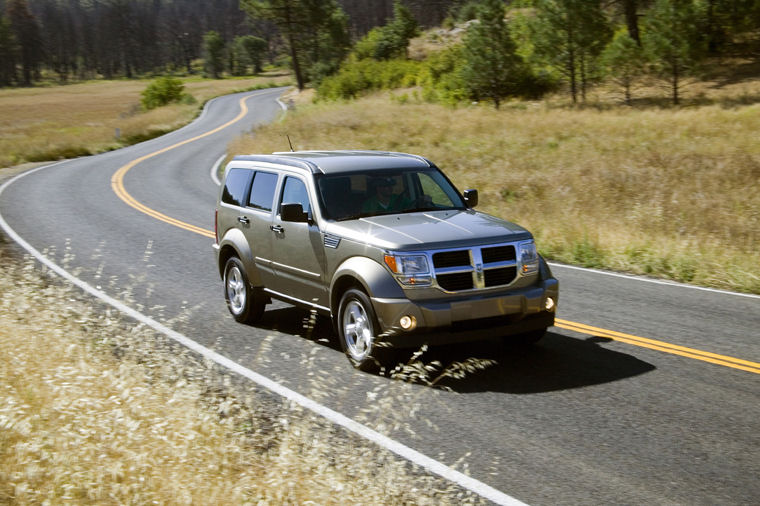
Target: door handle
{"x": 277, "y": 229}
{"x": 244, "y": 220}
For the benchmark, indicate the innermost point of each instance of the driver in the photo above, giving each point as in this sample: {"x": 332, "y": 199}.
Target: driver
{"x": 384, "y": 200}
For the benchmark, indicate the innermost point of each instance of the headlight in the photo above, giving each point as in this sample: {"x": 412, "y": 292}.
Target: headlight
{"x": 409, "y": 269}
{"x": 528, "y": 257}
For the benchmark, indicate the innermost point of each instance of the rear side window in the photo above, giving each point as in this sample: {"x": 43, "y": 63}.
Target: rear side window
{"x": 262, "y": 191}
{"x": 235, "y": 187}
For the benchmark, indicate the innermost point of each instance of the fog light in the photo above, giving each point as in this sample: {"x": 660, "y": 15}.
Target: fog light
{"x": 550, "y": 304}
{"x": 408, "y": 322}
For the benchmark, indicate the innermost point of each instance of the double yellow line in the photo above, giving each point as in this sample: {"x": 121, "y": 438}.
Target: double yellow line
{"x": 117, "y": 183}
{"x": 674, "y": 349}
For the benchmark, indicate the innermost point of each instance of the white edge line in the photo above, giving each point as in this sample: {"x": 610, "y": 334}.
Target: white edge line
{"x": 392, "y": 445}
{"x": 215, "y": 170}
{"x": 674, "y": 284}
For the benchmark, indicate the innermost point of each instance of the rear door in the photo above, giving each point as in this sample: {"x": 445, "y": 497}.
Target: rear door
{"x": 232, "y": 201}
{"x": 257, "y": 222}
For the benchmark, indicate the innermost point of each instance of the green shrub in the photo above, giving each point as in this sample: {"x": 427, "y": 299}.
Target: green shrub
{"x": 358, "y": 77}
{"x": 162, "y": 91}
{"x": 365, "y": 47}
{"x": 441, "y": 79}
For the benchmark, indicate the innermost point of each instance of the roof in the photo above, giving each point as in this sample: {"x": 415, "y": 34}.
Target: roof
{"x": 332, "y": 162}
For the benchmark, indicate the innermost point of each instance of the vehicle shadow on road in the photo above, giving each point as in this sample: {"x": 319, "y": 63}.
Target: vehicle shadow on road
{"x": 557, "y": 362}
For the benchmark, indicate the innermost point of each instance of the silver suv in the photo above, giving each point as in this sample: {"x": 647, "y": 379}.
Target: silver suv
{"x": 383, "y": 244}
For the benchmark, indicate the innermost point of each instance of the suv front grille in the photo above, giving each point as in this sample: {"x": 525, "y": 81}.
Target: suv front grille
{"x": 496, "y": 277}
{"x": 451, "y": 259}
{"x": 475, "y": 268}
{"x": 498, "y": 254}
{"x": 455, "y": 282}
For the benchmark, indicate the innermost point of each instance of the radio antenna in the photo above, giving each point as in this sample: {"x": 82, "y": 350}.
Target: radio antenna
{"x": 290, "y": 143}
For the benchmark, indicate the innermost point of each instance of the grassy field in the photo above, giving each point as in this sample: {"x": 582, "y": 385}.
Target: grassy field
{"x": 47, "y": 123}
{"x": 669, "y": 192}
{"x": 96, "y": 410}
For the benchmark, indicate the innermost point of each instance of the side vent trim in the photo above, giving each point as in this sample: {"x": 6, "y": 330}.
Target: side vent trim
{"x": 331, "y": 241}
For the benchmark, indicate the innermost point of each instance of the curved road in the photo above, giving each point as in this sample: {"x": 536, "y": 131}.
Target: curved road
{"x": 644, "y": 393}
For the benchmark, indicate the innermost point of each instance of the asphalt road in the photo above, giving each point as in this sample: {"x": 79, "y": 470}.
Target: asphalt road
{"x": 578, "y": 419}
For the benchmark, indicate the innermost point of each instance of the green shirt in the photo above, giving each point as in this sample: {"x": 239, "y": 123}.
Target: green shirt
{"x": 396, "y": 203}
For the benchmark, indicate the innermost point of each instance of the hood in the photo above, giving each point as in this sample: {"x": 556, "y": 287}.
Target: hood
{"x": 429, "y": 230}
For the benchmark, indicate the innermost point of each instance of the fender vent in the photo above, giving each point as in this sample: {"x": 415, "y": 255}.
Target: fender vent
{"x": 331, "y": 241}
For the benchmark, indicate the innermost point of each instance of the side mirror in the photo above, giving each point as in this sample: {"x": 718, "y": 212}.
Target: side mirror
{"x": 471, "y": 198}
{"x": 293, "y": 212}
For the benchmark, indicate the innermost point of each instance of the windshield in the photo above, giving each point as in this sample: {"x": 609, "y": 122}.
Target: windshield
{"x": 347, "y": 196}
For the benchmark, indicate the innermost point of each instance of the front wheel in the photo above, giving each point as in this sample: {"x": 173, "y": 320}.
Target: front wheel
{"x": 357, "y": 327}
{"x": 245, "y": 305}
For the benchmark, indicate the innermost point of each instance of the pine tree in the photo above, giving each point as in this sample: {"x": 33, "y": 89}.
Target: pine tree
{"x": 394, "y": 37}
{"x": 250, "y": 50}
{"x": 8, "y": 53}
{"x": 27, "y": 33}
{"x": 492, "y": 70}
{"x": 673, "y": 41}
{"x": 624, "y": 60}
{"x": 309, "y": 27}
{"x": 570, "y": 35}
{"x": 213, "y": 48}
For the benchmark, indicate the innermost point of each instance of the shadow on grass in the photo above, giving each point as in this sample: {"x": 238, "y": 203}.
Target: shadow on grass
{"x": 557, "y": 362}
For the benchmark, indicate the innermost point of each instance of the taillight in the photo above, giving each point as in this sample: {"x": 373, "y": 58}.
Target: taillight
{"x": 216, "y": 225}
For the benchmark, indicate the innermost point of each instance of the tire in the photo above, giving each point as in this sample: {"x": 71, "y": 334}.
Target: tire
{"x": 358, "y": 329}
{"x": 243, "y": 302}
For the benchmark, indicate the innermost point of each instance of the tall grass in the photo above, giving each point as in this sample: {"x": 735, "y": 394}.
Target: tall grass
{"x": 96, "y": 410}
{"x": 49, "y": 123}
{"x": 667, "y": 192}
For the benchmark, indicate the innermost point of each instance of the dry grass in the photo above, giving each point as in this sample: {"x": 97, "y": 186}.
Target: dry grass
{"x": 95, "y": 410}
{"x": 73, "y": 120}
{"x": 668, "y": 192}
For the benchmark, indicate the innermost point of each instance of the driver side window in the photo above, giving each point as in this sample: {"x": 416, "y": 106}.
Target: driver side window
{"x": 294, "y": 192}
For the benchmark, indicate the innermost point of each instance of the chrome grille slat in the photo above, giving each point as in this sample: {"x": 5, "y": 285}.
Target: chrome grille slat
{"x": 454, "y": 270}
{"x": 475, "y": 268}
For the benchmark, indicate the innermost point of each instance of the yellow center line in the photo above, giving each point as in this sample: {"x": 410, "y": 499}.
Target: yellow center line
{"x": 674, "y": 349}
{"x": 117, "y": 183}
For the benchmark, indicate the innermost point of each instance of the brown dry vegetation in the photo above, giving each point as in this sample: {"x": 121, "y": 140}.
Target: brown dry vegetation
{"x": 96, "y": 410}
{"x": 78, "y": 119}
{"x": 669, "y": 192}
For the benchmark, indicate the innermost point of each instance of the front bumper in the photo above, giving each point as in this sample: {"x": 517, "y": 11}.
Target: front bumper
{"x": 471, "y": 318}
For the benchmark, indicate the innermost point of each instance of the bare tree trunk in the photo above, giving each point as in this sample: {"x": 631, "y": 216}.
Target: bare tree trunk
{"x": 675, "y": 83}
{"x": 632, "y": 20}
{"x": 293, "y": 50}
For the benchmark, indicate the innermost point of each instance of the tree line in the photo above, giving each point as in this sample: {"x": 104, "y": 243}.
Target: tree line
{"x": 519, "y": 47}
{"x": 528, "y": 47}
{"x": 84, "y": 39}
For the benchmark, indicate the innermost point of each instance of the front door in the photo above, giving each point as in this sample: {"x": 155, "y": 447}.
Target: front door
{"x": 298, "y": 256}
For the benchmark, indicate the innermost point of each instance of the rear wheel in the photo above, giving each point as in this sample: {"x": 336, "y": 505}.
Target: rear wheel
{"x": 357, "y": 329}
{"x": 243, "y": 302}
